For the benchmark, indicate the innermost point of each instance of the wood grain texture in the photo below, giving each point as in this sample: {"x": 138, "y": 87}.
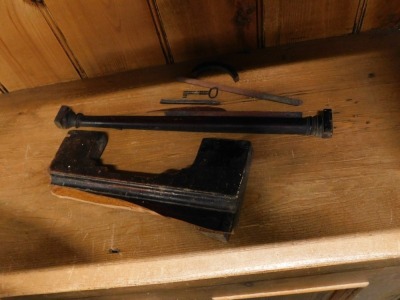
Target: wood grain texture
{"x": 383, "y": 283}
{"x": 359, "y": 19}
{"x": 309, "y": 287}
{"x": 155, "y": 13}
{"x": 3, "y": 89}
{"x": 108, "y": 36}
{"x": 199, "y": 29}
{"x": 61, "y": 39}
{"x": 328, "y": 284}
{"x": 311, "y": 205}
{"x": 30, "y": 55}
{"x": 381, "y": 14}
{"x": 291, "y": 21}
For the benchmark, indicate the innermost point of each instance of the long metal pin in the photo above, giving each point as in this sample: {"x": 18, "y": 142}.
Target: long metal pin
{"x": 240, "y": 91}
{"x": 319, "y": 125}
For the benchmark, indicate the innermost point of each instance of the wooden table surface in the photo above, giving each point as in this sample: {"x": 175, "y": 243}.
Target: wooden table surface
{"x": 310, "y": 203}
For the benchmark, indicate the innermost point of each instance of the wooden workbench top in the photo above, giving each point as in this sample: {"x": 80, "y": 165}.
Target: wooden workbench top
{"x": 310, "y": 203}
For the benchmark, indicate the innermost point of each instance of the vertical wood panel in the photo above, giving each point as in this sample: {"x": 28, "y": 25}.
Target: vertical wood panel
{"x": 382, "y": 14}
{"x": 30, "y": 55}
{"x": 290, "y": 21}
{"x": 108, "y": 36}
{"x": 197, "y": 28}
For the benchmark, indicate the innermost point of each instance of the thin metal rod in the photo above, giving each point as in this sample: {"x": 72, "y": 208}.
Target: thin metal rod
{"x": 319, "y": 125}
